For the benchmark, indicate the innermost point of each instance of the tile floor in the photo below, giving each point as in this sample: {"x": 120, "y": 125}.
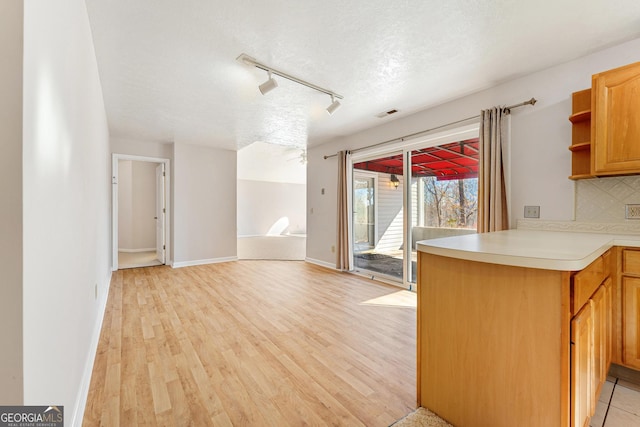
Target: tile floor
{"x": 618, "y": 405}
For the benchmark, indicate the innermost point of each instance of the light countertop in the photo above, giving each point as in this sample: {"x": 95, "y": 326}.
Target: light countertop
{"x": 549, "y": 250}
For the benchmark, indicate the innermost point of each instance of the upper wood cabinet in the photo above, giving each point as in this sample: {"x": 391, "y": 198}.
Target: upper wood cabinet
{"x": 615, "y": 121}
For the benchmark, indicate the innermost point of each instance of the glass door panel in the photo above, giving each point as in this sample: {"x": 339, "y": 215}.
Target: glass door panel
{"x": 378, "y": 217}
{"x": 443, "y": 196}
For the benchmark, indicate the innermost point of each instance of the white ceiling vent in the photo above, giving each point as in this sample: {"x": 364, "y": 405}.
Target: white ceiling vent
{"x": 386, "y": 113}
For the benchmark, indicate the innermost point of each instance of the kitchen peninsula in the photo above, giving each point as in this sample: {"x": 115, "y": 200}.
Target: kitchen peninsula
{"x": 519, "y": 327}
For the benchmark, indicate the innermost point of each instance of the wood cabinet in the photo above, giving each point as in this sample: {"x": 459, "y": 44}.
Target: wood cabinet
{"x": 582, "y": 366}
{"x": 590, "y": 338}
{"x": 581, "y": 135}
{"x": 605, "y": 119}
{"x": 615, "y": 125}
{"x": 631, "y": 308}
{"x": 502, "y": 345}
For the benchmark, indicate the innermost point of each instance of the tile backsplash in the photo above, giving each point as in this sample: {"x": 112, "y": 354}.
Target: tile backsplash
{"x": 604, "y": 199}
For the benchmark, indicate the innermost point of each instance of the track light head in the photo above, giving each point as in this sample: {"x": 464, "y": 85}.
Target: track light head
{"x": 269, "y": 85}
{"x": 335, "y": 104}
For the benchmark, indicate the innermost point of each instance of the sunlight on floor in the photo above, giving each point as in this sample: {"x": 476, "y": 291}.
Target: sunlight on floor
{"x": 396, "y": 299}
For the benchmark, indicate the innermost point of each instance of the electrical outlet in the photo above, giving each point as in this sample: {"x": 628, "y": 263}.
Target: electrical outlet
{"x": 532, "y": 211}
{"x": 632, "y": 211}
{"x": 96, "y": 291}
{"x": 333, "y": 249}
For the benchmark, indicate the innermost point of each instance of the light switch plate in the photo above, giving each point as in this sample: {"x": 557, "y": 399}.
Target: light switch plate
{"x": 532, "y": 211}
{"x": 632, "y": 211}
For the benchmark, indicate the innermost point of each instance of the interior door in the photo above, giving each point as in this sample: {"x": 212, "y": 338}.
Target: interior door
{"x": 160, "y": 213}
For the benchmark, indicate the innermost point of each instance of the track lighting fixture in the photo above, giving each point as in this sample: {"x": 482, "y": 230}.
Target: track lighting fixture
{"x": 335, "y": 104}
{"x": 272, "y": 83}
{"x": 269, "y": 85}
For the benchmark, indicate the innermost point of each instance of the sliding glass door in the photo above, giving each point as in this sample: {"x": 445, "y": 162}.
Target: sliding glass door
{"x": 399, "y": 198}
{"x": 378, "y": 214}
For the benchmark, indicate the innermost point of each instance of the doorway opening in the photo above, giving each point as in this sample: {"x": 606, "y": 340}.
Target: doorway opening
{"x": 272, "y": 202}
{"x": 140, "y": 217}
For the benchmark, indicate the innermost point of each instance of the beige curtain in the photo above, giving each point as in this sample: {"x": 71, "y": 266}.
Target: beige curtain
{"x": 492, "y": 195}
{"x": 343, "y": 260}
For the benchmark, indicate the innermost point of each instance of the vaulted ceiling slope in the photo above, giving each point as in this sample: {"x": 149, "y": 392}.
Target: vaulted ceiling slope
{"x": 169, "y": 70}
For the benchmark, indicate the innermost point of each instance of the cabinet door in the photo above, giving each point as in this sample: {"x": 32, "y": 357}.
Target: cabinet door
{"x": 616, "y": 127}
{"x": 608, "y": 285}
{"x": 582, "y": 366}
{"x": 600, "y": 340}
{"x": 631, "y": 321}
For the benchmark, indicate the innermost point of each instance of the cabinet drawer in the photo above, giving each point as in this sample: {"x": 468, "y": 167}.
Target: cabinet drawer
{"x": 586, "y": 282}
{"x": 631, "y": 261}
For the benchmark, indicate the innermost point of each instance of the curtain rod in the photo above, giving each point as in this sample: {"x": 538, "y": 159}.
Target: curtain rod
{"x": 532, "y": 101}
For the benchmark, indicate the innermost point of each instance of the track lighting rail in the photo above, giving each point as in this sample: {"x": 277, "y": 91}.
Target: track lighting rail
{"x": 246, "y": 59}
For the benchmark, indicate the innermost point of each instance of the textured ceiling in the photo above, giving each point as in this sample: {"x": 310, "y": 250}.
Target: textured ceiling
{"x": 169, "y": 72}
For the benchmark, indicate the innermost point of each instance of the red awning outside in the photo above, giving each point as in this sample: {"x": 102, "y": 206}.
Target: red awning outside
{"x": 456, "y": 160}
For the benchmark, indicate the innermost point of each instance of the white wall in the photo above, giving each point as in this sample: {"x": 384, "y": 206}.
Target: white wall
{"x": 66, "y": 192}
{"x": 125, "y": 204}
{"x": 271, "y": 185}
{"x": 265, "y": 162}
{"x": 540, "y": 160}
{"x": 136, "y": 205}
{"x": 203, "y": 198}
{"x": 11, "y": 41}
{"x": 204, "y": 204}
{"x": 162, "y": 150}
{"x": 261, "y": 204}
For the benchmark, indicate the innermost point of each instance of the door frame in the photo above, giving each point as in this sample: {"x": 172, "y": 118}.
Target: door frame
{"x": 114, "y": 203}
{"x": 361, "y": 157}
{"x": 161, "y": 213}
{"x": 374, "y": 176}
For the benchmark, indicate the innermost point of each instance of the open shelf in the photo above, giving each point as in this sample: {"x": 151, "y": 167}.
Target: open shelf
{"x": 580, "y": 146}
{"x": 580, "y": 135}
{"x": 582, "y": 176}
{"x": 580, "y": 116}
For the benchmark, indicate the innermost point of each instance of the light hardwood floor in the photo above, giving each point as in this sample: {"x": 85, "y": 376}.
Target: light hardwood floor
{"x": 253, "y": 343}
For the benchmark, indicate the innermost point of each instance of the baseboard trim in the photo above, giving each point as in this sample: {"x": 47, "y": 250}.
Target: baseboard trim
{"x": 182, "y": 264}
{"x": 321, "y": 263}
{"x": 83, "y": 393}
{"x": 136, "y": 250}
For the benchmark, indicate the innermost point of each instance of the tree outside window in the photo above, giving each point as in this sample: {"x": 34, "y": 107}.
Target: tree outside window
{"x": 451, "y": 203}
